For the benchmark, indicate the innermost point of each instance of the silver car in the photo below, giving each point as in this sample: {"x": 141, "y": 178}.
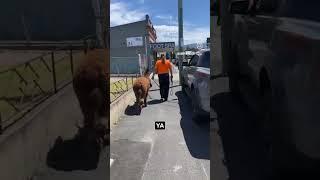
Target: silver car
{"x": 195, "y": 83}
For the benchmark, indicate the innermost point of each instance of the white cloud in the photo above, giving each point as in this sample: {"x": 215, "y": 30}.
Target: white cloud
{"x": 121, "y": 14}
{"x": 167, "y": 18}
{"x": 190, "y": 35}
{"x": 164, "y": 17}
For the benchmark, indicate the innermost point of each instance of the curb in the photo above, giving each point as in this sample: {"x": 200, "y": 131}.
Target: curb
{"x": 117, "y": 108}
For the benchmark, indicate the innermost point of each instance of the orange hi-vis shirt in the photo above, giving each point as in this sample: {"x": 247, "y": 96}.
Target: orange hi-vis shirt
{"x": 163, "y": 68}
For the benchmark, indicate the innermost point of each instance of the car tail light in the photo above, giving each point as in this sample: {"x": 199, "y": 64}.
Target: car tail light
{"x": 201, "y": 74}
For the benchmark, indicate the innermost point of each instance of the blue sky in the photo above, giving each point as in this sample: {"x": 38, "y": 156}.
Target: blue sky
{"x": 164, "y": 16}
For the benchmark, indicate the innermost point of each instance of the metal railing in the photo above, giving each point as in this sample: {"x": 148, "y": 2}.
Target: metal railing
{"x": 26, "y": 85}
{"x": 120, "y": 85}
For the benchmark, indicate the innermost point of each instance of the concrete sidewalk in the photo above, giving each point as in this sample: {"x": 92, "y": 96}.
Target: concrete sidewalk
{"x": 181, "y": 151}
{"x": 67, "y": 110}
{"x": 101, "y": 173}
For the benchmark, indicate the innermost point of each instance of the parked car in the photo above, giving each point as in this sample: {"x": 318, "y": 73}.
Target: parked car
{"x": 195, "y": 83}
{"x": 274, "y": 65}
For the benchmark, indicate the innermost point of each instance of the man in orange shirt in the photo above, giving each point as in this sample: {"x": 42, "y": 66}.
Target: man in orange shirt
{"x": 162, "y": 68}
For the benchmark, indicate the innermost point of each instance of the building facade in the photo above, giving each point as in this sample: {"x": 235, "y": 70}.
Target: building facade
{"x": 129, "y": 46}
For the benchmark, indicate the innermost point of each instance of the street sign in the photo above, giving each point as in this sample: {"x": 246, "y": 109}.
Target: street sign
{"x": 162, "y": 46}
{"x": 134, "y": 41}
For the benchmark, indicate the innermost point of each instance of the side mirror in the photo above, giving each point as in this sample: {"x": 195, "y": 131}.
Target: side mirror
{"x": 214, "y": 9}
{"x": 267, "y": 6}
{"x": 262, "y": 6}
{"x": 239, "y": 7}
{"x": 185, "y": 63}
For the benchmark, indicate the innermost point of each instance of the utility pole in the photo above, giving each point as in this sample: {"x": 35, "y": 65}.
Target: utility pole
{"x": 105, "y": 23}
{"x": 180, "y": 17}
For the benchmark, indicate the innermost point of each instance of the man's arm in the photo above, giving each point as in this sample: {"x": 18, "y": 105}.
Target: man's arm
{"x": 155, "y": 71}
{"x": 170, "y": 69}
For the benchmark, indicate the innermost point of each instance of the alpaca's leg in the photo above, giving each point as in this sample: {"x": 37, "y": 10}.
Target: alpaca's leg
{"x": 137, "y": 97}
{"x": 145, "y": 99}
{"x": 103, "y": 89}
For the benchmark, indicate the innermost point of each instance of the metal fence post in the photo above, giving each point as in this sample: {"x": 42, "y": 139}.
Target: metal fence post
{"x": 127, "y": 83}
{"x": 71, "y": 60}
{"x": 132, "y": 80}
{"x": 53, "y": 72}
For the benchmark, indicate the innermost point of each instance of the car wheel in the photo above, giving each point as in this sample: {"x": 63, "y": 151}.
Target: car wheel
{"x": 195, "y": 106}
{"x": 234, "y": 74}
{"x": 280, "y": 154}
{"x": 183, "y": 87}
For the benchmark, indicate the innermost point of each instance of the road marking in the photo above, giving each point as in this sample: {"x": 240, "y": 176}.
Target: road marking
{"x": 204, "y": 170}
{"x": 176, "y": 168}
{"x": 111, "y": 161}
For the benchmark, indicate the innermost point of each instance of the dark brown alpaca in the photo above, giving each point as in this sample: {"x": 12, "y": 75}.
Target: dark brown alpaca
{"x": 141, "y": 88}
{"x": 90, "y": 86}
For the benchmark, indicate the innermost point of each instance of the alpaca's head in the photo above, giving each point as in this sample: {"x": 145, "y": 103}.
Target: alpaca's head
{"x": 147, "y": 75}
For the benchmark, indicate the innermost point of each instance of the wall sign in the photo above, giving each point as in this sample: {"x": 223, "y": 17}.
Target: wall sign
{"x": 163, "y": 46}
{"x": 134, "y": 41}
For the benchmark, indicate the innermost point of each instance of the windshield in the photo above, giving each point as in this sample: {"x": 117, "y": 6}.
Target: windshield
{"x": 204, "y": 60}
{"x": 303, "y": 9}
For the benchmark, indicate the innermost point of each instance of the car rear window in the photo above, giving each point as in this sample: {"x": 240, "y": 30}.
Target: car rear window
{"x": 204, "y": 60}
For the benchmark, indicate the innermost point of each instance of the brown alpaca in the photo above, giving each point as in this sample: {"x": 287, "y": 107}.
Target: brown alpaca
{"x": 141, "y": 88}
{"x": 90, "y": 86}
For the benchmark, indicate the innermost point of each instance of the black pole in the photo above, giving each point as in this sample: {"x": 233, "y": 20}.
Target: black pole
{"x": 53, "y": 72}
{"x": 71, "y": 60}
{"x": 127, "y": 83}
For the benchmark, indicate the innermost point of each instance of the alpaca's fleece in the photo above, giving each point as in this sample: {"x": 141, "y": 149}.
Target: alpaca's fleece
{"x": 141, "y": 88}
{"x": 90, "y": 86}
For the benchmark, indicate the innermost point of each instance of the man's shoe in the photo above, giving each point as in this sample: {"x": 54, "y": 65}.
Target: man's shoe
{"x": 165, "y": 99}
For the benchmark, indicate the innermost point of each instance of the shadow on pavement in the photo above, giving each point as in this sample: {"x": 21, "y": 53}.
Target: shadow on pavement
{"x": 133, "y": 110}
{"x": 243, "y": 148}
{"x": 79, "y": 153}
{"x": 196, "y": 134}
{"x": 242, "y": 142}
{"x": 154, "y": 101}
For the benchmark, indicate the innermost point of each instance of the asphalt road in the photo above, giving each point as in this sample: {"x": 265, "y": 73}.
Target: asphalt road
{"x": 181, "y": 151}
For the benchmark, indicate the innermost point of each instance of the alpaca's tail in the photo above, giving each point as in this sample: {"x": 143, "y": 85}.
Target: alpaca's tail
{"x": 138, "y": 93}
{"x": 96, "y": 97}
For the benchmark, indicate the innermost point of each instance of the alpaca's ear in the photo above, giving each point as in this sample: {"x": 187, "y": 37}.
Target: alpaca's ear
{"x": 146, "y": 72}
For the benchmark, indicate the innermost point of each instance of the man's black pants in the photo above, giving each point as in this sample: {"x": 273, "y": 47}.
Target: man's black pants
{"x": 164, "y": 85}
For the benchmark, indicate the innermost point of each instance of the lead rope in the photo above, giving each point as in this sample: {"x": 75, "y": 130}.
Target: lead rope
{"x": 171, "y": 90}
